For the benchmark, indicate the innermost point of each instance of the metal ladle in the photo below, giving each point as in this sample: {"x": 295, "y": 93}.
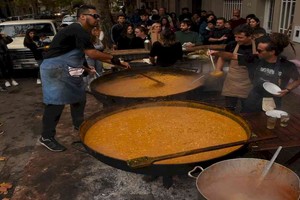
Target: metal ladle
{"x": 269, "y": 165}
{"x": 197, "y": 79}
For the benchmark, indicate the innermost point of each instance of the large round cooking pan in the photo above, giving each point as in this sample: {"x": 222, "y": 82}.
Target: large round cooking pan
{"x": 146, "y": 83}
{"x": 236, "y": 179}
{"x": 157, "y": 128}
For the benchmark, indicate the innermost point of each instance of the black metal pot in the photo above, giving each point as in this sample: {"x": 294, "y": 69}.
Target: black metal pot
{"x": 158, "y": 169}
{"x": 111, "y": 100}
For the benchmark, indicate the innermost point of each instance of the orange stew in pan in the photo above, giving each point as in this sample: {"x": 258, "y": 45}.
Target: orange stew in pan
{"x": 160, "y": 130}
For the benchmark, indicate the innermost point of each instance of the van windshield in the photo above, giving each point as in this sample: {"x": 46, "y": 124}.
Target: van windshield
{"x": 69, "y": 18}
{"x": 20, "y": 30}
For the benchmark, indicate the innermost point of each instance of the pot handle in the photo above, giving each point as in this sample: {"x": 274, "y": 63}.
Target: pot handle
{"x": 193, "y": 170}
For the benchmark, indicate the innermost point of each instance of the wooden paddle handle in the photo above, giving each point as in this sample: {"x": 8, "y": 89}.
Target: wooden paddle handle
{"x": 149, "y": 77}
{"x": 146, "y": 161}
{"x": 212, "y": 60}
{"x": 211, "y": 148}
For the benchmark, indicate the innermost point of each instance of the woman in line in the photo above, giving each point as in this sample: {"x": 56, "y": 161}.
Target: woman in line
{"x": 30, "y": 41}
{"x": 94, "y": 63}
{"x": 124, "y": 42}
{"x": 203, "y": 25}
{"x": 175, "y": 21}
{"x": 97, "y": 64}
{"x": 166, "y": 51}
{"x": 154, "y": 32}
{"x": 140, "y": 36}
{"x": 6, "y": 65}
{"x": 254, "y": 23}
{"x": 165, "y": 24}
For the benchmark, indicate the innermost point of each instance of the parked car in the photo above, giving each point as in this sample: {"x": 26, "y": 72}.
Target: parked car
{"x": 22, "y": 57}
{"x": 12, "y": 18}
{"x": 67, "y": 20}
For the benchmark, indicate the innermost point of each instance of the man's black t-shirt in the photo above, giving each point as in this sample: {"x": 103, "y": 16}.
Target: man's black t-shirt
{"x": 70, "y": 38}
{"x": 243, "y": 49}
{"x": 218, "y": 33}
{"x": 137, "y": 43}
{"x": 261, "y": 71}
{"x": 166, "y": 55}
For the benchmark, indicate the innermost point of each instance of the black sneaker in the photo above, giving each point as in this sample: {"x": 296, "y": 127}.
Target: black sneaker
{"x": 3, "y": 89}
{"x": 52, "y": 144}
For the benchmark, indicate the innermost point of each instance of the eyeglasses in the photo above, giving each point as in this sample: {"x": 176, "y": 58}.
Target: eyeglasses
{"x": 260, "y": 51}
{"x": 95, "y": 16}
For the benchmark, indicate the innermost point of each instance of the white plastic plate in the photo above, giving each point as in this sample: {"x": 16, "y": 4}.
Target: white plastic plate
{"x": 275, "y": 113}
{"x": 271, "y": 88}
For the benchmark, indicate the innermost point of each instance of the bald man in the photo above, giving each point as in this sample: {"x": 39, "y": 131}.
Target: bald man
{"x": 236, "y": 20}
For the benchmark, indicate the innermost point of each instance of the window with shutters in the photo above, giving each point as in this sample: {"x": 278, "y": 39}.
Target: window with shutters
{"x": 229, "y": 6}
{"x": 286, "y": 14}
{"x": 269, "y": 15}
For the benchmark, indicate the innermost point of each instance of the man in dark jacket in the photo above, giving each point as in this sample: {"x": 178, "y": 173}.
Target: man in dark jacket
{"x": 220, "y": 35}
{"x": 6, "y": 65}
{"x": 117, "y": 29}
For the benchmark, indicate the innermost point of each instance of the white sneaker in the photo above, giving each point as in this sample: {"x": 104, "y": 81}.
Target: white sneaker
{"x": 38, "y": 81}
{"x": 7, "y": 84}
{"x": 14, "y": 83}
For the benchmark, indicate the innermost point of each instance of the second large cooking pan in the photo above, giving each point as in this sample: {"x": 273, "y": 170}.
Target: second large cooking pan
{"x": 152, "y": 129}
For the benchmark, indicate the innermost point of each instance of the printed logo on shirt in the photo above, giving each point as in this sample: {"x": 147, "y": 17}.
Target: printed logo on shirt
{"x": 269, "y": 71}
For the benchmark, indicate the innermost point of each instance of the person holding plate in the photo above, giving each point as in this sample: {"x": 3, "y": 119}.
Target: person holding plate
{"x": 267, "y": 66}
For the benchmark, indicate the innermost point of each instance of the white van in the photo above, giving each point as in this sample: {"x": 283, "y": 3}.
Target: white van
{"x": 67, "y": 20}
{"x": 22, "y": 56}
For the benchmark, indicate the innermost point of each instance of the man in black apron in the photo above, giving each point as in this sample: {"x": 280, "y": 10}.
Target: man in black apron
{"x": 61, "y": 73}
{"x": 267, "y": 66}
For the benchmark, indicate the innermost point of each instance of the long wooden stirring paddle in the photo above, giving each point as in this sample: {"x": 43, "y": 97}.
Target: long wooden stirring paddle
{"x": 151, "y": 78}
{"x": 147, "y": 161}
{"x": 212, "y": 61}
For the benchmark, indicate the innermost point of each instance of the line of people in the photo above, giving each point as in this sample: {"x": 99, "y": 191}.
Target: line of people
{"x": 242, "y": 37}
{"x": 202, "y": 28}
{"x": 190, "y": 29}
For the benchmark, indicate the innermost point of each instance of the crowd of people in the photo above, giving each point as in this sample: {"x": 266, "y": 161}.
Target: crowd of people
{"x": 202, "y": 27}
{"x": 255, "y": 57}
{"x": 190, "y": 29}
{"x": 33, "y": 42}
